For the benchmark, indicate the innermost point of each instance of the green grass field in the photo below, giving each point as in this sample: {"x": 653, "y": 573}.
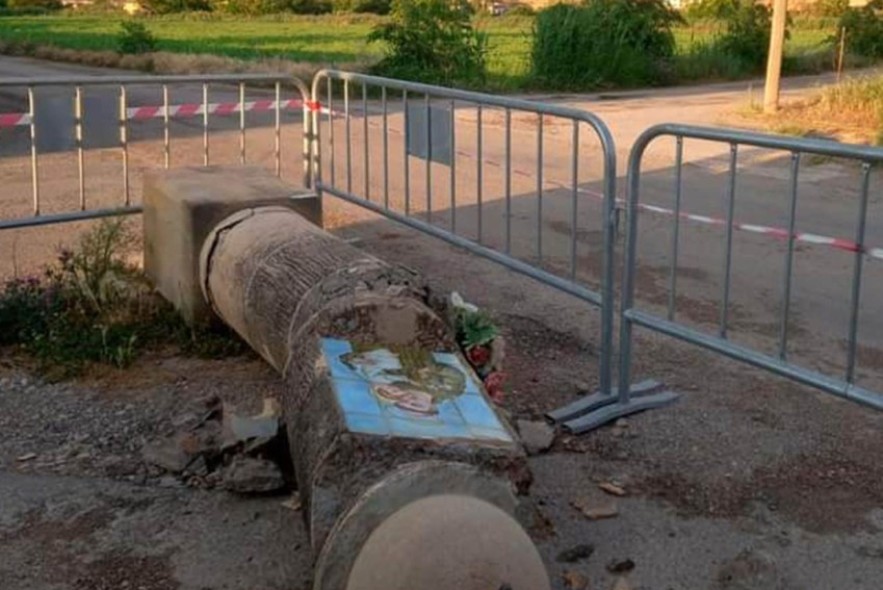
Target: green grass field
{"x": 328, "y": 40}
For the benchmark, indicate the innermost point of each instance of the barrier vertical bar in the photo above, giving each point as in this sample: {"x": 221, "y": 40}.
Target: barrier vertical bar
{"x": 78, "y": 125}
{"x": 857, "y": 272}
{"x": 365, "y": 142}
{"x": 277, "y": 131}
{"x": 453, "y": 166}
{"x": 166, "y": 146}
{"x": 314, "y": 106}
{"x": 124, "y": 140}
{"x": 789, "y": 256}
{"x": 573, "y": 199}
{"x": 331, "y": 129}
{"x": 540, "y": 188}
{"x": 242, "y": 123}
{"x": 349, "y": 137}
{"x": 508, "y": 180}
{"x": 407, "y": 162}
{"x": 383, "y": 101}
{"x": 428, "y": 110}
{"x": 309, "y": 128}
{"x": 676, "y": 230}
{"x": 479, "y": 165}
{"x": 205, "y": 154}
{"x": 728, "y": 250}
{"x": 35, "y": 167}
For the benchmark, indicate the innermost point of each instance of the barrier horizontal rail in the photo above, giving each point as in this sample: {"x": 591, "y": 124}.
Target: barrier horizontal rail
{"x": 867, "y": 157}
{"x": 165, "y": 113}
{"x": 179, "y": 110}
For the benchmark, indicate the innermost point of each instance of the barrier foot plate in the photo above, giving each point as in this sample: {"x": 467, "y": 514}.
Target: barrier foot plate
{"x": 592, "y": 411}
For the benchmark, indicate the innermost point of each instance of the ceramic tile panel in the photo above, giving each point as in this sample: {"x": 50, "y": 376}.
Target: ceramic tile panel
{"x": 410, "y": 394}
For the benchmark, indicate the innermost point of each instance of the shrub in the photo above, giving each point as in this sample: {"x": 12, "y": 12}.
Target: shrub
{"x": 91, "y": 307}
{"x": 35, "y": 5}
{"x": 261, "y": 7}
{"x": 747, "y": 34}
{"x": 432, "y": 41}
{"x": 603, "y": 43}
{"x": 864, "y": 30}
{"x": 711, "y": 9}
{"x": 520, "y": 10}
{"x": 362, "y": 6}
{"x": 834, "y": 8}
{"x": 171, "y": 6}
{"x": 134, "y": 38}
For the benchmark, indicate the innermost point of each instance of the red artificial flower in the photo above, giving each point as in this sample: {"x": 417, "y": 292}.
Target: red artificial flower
{"x": 494, "y": 385}
{"x": 478, "y": 356}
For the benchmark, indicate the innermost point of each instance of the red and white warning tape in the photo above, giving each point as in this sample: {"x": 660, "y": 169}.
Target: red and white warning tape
{"x": 776, "y": 232}
{"x": 180, "y": 110}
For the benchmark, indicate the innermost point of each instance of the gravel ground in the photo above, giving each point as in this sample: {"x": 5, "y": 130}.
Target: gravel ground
{"x": 747, "y": 482}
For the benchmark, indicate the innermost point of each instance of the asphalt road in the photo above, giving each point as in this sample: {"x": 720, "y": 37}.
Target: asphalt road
{"x": 540, "y": 231}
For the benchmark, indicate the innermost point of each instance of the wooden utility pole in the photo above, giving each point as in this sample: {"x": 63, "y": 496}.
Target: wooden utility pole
{"x": 774, "y": 60}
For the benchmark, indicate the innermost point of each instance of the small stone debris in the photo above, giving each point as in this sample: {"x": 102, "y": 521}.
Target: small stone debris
{"x": 293, "y": 503}
{"x": 612, "y": 488}
{"x": 576, "y": 553}
{"x": 537, "y": 436}
{"x": 26, "y": 457}
{"x": 243, "y": 428}
{"x": 247, "y": 475}
{"x": 596, "y": 507}
{"x": 169, "y": 454}
{"x": 622, "y": 583}
{"x": 620, "y": 566}
{"x": 575, "y": 580}
{"x": 218, "y": 447}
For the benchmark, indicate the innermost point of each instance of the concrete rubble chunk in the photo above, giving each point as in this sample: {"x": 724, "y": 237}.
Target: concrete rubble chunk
{"x": 596, "y": 506}
{"x": 247, "y": 475}
{"x": 167, "y": 453}
{"x": 575, "y": 580}
{"x": 620, "y": 566}
{"x": 537, "y": 436}
{"x": 612, "y": 488}
{"x": 240, "y": 429}
{"x": 576, "y": 553}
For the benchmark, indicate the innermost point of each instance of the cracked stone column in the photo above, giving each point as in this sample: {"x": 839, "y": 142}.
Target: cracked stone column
{"x": 407, "y": 474}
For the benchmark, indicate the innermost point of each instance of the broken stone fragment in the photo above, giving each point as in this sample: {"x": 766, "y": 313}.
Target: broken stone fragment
{"x": 612, "y": 488}
{"x": 536, "y": 436}
{"x": 596, "y": 506}
{"x": 575, "y": 581}
{"x": 240, "y": 429}
{"x": 620, "y": 566}
{"x": 247, "y": 475}
{"x": 576, "y": 553}
{"x": 167, "y": 453}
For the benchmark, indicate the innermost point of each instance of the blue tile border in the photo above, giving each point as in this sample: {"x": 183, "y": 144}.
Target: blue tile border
{"x": 367, "y": 424}
{"x": 356, "y": 397}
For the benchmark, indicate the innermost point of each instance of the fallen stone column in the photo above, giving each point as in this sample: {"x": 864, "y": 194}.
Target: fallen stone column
{"x": 406, "y": 472}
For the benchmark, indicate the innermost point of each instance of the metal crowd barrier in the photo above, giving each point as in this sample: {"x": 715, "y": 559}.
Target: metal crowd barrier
{"x": 631, "y": 316}
{"x": 125, "y": 113}
{"x": 422, "y": 117}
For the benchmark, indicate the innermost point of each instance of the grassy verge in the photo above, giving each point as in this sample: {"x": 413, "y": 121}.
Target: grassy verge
{"x": 91, "y": 307}
{"x": 340, "y": 40}
{"x": 850, "y": 111}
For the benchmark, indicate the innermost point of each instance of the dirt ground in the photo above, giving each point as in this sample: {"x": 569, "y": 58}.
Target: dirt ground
{"x": 746, "y": 482}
